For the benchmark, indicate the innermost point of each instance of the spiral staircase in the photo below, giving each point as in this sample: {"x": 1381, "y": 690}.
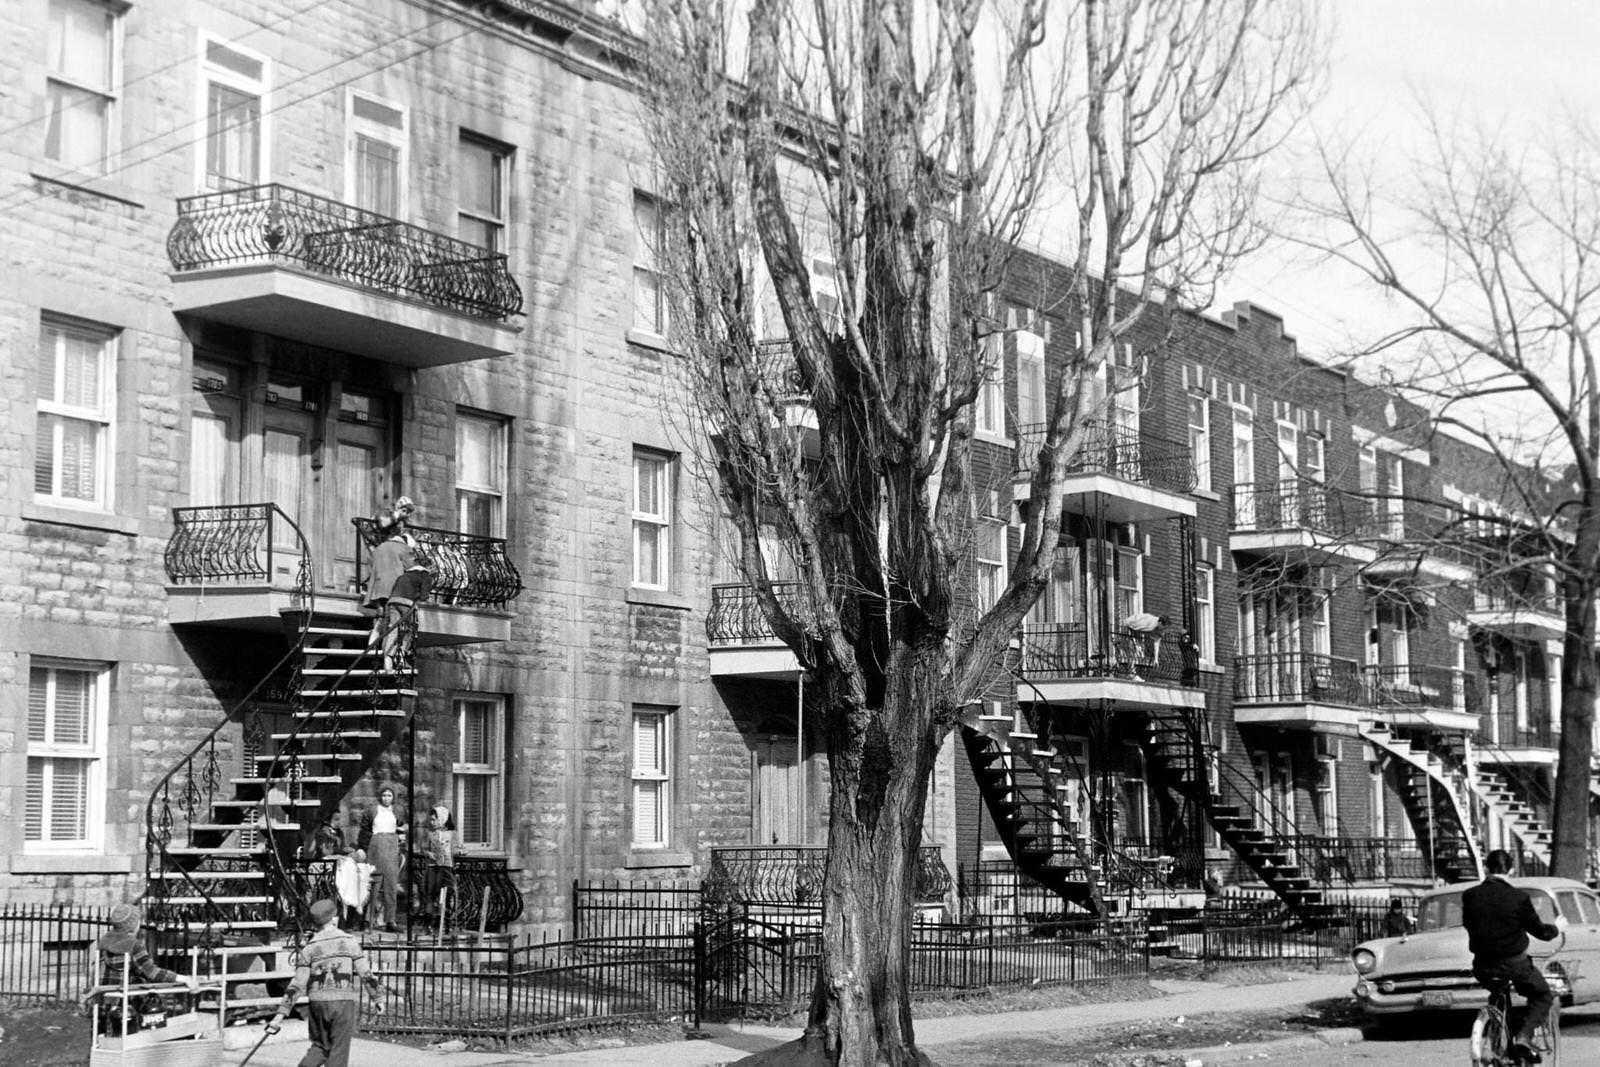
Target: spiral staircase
{"x": 1521, "y": 820}
{"x": 1433, "y": 805}
{"x": 1017, "y": 776}
{"x": 1176, "y": 758}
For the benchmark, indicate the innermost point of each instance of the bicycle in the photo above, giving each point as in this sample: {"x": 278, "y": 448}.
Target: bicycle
{"x": 1491, "y": 1030}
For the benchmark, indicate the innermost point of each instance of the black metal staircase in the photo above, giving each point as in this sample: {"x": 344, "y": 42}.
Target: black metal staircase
{"x": 1017, "y": 772}
{"x": 1176, "y": 756}
{"x": 1433, "y": 807}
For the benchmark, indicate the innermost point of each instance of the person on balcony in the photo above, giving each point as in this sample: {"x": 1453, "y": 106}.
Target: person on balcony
{"x": 399, "y": 582}
{"x": 381, "y": 828}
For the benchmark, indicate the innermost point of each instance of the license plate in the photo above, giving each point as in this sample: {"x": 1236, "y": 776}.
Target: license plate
{"x": 1438, "y": 999}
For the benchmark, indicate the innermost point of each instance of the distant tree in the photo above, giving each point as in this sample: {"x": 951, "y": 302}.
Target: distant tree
{"x": 1490, "y": 258}
{"x": 851, "y": 177}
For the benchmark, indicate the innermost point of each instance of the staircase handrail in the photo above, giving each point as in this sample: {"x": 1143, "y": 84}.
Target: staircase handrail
{"x": 158, "y": 828}
{"x": 1390, "y": 744}
{"x": 1276, "y": 815}
{"x": 1536, "y": 790}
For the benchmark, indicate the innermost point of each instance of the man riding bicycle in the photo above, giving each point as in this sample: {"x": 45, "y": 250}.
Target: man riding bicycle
{"x": 1499, "y": 917}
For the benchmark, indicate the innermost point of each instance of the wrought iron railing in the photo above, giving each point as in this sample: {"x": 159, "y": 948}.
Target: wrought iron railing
{"x": 1503, "y": 730}
{"x": 234, "y": 544}
{"x": 1296, "y": 678}
{"x": 1342, "y": 860}
{"x": 1071, "y": 650}
{"x": 1421, "y": 685}
{"x": 275, "y": 223}
{"x": 1131, "y": 455}
{"x": 736, "y": 617}
{"x": 792, "y": 874}
{"x": 468, "y": 570}
{"x": 1501, "y": 594}
{"x": 1301, "y": 504}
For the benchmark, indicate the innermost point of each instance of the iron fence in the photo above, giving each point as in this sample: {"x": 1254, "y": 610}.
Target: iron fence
{"x": 47, "y": 952}
{"x": 1073, "y": 650}
{"x": 466, "y": 570}
{"x": 1260, "y": 932}
{"x": 635, "y": 909}
{"x": 1133, "y": 455}
{"x": 1301, "y": 504}
{"x": 243, "y": 543}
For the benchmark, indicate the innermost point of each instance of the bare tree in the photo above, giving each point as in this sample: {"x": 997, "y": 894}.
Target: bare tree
{"x": 1492, "y": 260}
{"x": 851, "y": 177}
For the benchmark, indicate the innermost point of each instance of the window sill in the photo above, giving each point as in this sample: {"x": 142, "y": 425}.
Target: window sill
{"x": 87, "y": 519}
{"x": 666, "y": 857}
{"x": 992, "y": 438}
{"x": 646, "y": 339}
{"x": 96, "y": 185}
{"x": 1206, "y": 494}
{"x": 659, "y": 598}
{"x": 70, "y": 863}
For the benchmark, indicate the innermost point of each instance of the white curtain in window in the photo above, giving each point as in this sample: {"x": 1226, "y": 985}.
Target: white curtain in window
{"x": 210, "y": 455}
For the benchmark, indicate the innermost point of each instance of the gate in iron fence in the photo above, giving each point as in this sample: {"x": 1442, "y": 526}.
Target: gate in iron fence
{"x": 48, "y": 953}
{"x": 754, "y": 959}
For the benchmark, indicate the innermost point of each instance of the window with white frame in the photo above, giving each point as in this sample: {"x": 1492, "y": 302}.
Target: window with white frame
{"x": 375, "y": 156}
{"x": 481, "y": 184}
{"x": 74, "y": 393}
{"x": 1205, "y": 612}
{"x": 990, "y": 410}
{"x": 652, "y": 518}
{"x": 652, "y": 777}
{"x": 1130, "y": 583}
{"x": 1244, "y": 466}
{"x": 480, "y": 474}
{"x": 83, "y": 38}
{"x": 233, "y": 87}
{"x": 68, "y": 703}
{"x": 1200, "y": 438}
{"x": 478, "y": 773}
{"x": 991, "y": 556}
{"x": 825, "y": 291}
{"x": 649, "y": 246}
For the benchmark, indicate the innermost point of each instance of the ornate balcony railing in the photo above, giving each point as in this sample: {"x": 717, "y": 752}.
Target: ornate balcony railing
{"x": 792, "y": 874}
{"x": 1502, "y": 730}
{"x": 468, "y": 570}
{"x": 1301, "y": 504}
{"x": 1504, "y": 595}
{"x": 736, "y": 617}
{"x": 1131, "y": 455}
{"x": 274, "y": 223}
{"x": 236, "y": 544}
{"x": 1348, "y": 860}
{"x": 1071, "y": 650}
{"x": 1419, "y": 685}
{"x": 1296, "y": 678}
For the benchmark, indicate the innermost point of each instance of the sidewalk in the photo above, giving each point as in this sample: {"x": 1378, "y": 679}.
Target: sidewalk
{"x": 729, "y": 1043}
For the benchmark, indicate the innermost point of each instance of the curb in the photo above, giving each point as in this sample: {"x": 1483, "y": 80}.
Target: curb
{"x": 1221, "y": 1054}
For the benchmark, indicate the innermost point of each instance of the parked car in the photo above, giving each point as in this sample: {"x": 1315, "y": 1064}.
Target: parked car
{"x": 1431, "y": 968}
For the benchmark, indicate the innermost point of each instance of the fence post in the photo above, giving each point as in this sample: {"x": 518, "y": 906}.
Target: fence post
{"x": 511, "y": 985}
{"x": 697, "y": 940}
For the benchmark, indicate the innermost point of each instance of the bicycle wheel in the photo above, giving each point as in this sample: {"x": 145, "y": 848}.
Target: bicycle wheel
{"x": 1549, "y": 1038}
{"x": 1489, "y": 1037}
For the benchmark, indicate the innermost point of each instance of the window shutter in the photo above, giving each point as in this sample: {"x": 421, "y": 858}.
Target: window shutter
{"x": 474, "y": 735}
{"x": 69, "y": 802}
{"x": 647, "y": 812}
{"x": 72, "y": 710}
{"x": 33, "y": 817}
{"x": 647, "y": 744}
{"x": 38, "y": 704}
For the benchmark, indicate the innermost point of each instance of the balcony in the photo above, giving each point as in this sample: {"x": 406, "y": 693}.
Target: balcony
{"x": 1513, "y": 738}
{"x": 1423, "y": 695}
{"x": 1070, "y": 663}
{"x": 1307, "y": 690}
{"x": 1301, "y": 521}
{"x": 1415, "y": 539}
{"x": 742, "y": 642}
{"x": 1533, "y": 615}
{"x": 280, "y": 261}
{"x": 1125, "y": 475}
{"x": 241, "y": 566}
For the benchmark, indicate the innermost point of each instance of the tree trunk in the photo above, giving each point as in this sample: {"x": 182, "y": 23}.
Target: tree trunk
{"x": 1570, "y": 821}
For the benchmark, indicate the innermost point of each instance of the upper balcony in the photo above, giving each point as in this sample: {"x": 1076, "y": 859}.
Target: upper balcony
{"x": 1423, "y": 695}
{"x": 1419, "y": 539}
{"x": 1299, "y": 520}
{"x": 742, "y": 642}
{"x": 1528, "y": 615}
{"x": 284, "y": 262}
{"x": 241, "y": 566}
{"x": 1123, "y": 474}
{"x": 1067, "y": 663}
{"x": 1314, "y": 691}
{"x": 1508, "y": 737}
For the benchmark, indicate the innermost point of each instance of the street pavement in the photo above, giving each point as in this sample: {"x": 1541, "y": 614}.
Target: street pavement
{"x": 727, "y": 1043}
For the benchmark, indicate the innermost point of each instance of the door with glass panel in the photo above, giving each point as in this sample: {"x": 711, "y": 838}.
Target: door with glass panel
{"x": 360, "y": 470}
{"x": 286, "y": 451}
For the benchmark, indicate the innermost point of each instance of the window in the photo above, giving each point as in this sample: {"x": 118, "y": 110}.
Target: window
{"x": 1244, "y": 466}
{"x": 480, "y": 474}
{"x": 1130, "y": 585}
{"x": 1394, "y": 504}
{"x": 67, "y": 712}
{"x": 375, "y": 163}
{"x": 1205, "y": 612}
{"x": 652, "y": 518}
{"x": 482, "y": 184}
{"x": 75, "y": 385}
{"x": 80, "y": 86}
{"x": 479, "y": 770}
{"x": 233, "y": 85}
{"x": 652, "y": 779}
{"x": 991, "y": 563}
{"x": 989, "y": 415}
{"x": 825, "y": 291}
{"x": 1200, "y": 438}
{"x": 649, "y": 243}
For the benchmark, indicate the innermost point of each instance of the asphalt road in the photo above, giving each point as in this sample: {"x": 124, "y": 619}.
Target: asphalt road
{"x": 1438, "y": 1043}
